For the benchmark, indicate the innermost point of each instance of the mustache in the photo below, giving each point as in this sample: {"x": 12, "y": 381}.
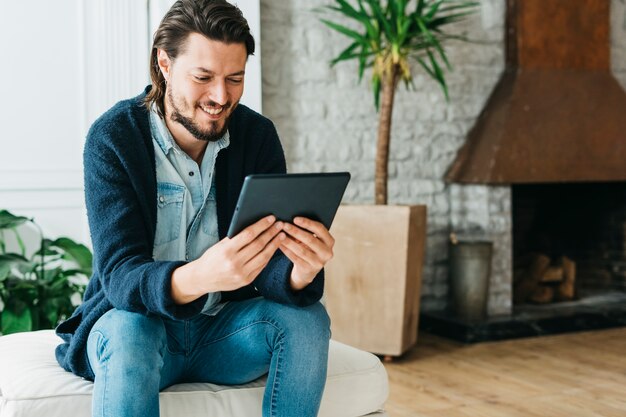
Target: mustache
{"x": 225, "y": 106}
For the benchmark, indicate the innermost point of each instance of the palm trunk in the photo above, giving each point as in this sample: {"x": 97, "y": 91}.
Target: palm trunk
{"x": 389, "y": 84}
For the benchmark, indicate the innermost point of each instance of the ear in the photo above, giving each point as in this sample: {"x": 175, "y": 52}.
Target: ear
{"x": 165, "y": 63}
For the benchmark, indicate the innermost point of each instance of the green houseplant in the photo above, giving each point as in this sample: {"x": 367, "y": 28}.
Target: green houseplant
{"x": 374, "y": 286}
{"x": 394, "y": 35}
{"x": 36, "y": 291}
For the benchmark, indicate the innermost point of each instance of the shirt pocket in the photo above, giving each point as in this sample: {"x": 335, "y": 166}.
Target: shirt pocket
{"x": 169, "y": 212}
{"x": 209, "y": 220}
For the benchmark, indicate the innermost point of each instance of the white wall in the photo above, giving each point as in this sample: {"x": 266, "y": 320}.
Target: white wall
{"x": 64, "y": 63}
{"x": 41, "y": 112}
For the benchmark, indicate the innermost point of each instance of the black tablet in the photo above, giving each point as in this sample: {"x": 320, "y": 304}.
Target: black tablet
{"x": 316, "y": 196}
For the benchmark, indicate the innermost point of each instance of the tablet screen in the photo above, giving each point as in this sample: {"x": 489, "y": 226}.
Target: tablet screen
{"x": 315, "y": 196}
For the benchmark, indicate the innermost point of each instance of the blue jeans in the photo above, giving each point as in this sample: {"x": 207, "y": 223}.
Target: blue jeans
{"x": 134, "y": 356}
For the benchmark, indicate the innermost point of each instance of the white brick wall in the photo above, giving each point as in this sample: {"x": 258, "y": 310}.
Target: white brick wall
{"x": 327, "y": 122}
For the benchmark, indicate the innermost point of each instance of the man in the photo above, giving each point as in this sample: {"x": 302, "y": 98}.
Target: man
{"x": 169, "y": 301}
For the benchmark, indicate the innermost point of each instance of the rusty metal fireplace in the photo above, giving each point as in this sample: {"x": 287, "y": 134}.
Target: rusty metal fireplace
{"x": 554, "y": 130}
{"x": 557, "y": 113}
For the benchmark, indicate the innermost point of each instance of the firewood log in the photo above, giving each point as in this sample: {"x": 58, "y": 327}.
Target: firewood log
{"x": 553, "y": 274}
{"x": 543, "y": 294}
{"x": 567, "y": 289}
{"x": 529, "y": 283}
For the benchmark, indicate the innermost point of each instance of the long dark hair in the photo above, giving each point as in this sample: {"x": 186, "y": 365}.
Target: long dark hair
{"x": 218, "y": 20}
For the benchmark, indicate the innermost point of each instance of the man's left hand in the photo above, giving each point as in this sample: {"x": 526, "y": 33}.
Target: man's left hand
{"x": 309, "y": 245}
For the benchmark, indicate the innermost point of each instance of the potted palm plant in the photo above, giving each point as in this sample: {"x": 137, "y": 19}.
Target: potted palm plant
{"x": 373, "y": 294}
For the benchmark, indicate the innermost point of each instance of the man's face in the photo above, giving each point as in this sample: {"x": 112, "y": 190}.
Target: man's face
{"x": 204, "y": 85}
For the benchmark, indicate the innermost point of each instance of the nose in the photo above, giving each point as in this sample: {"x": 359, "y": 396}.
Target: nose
{"x": 218, "y": 93}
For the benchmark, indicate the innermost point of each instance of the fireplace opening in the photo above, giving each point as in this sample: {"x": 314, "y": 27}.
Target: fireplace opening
{"x": 569, "y": 244}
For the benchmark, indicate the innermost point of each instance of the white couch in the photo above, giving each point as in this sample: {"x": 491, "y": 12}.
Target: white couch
{"x": 32, "y": 384}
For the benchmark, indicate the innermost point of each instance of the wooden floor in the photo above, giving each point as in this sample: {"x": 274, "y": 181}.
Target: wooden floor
{"x": 577, "y": 374}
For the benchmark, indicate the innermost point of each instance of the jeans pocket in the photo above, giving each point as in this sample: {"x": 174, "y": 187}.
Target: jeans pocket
{"x": 169, "y": 212}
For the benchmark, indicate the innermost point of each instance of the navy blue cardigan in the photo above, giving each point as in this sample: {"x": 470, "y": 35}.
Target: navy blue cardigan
{"x": 121, "y": 199}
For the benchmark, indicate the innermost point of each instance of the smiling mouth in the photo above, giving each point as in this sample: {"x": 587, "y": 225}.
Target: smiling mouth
{"x": 213, "y": 111}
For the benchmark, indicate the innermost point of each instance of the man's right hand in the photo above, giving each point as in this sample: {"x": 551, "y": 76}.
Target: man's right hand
{"x": 230, "y": 264}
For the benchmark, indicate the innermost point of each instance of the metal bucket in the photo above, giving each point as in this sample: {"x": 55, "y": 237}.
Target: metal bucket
{"x": 470, "y": 270}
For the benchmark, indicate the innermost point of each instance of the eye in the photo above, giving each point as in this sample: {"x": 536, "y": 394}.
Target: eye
{"x": 235, "y": 80}
{"x": 201, "y": 79}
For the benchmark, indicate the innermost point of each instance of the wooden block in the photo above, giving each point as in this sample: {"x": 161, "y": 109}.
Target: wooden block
{"x": 373, "y": 283}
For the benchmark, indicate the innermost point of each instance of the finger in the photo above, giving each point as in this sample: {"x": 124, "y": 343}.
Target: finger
{"x": 303, "y": 252}
{"x": 251, "y": 232}
{"x": 258, "y": 244}
{"x": 317, "y": 228}
{"x": 260, "y": 260}
{"x": 323, "y": 251}
{"x": 307, "y": 238}
{"x": 291, "y": 255}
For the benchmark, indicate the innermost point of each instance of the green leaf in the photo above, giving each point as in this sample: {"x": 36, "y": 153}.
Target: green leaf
{"x": 50, "y": 274}
{"x": 354, "y": 55}
{"x": 47, "y": 250}
{"x": 373, "y": 30}
{"x": 445, "y": 20}
{"x": 20, "y": 242}
{"x": 403, "y": 31}
{"x": 439, "y": 74}
{"x": 442, "y": 54}
{"x": 458, "y": 5}
{"x": 362, "y": 63}
{"x": 361, "y": 17}
{"x": 5, "y": 269}
{"x": 3, "y": 246}
{"x": 75, "y": 252}
{"x": 382, "y": 19}
{"x": 433, "y": 10}
{"x": 426, "y": 67}
{"x": 13, "y": 322}
{"x": 399, "y": 18}
{"x": 345, "y": 54}
{"x": 350, "y": 11}
{"x": 8, "y": 220}
{"x": 344, "y": 30}
{"x": 50, "y": 311}
{"x": 433, "y": 41}
{"x": 419, "y": 8}
{"x": 14, "y": 260}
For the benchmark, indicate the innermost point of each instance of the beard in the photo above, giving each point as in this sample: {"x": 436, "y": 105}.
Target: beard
{"x": 211, "y": 134}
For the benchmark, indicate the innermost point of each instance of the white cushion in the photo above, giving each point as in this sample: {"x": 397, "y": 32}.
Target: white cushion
{"x": 33, "y": 384}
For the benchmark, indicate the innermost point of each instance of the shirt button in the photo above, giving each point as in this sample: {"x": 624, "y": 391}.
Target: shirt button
{"x": 191, "y": 173}
{"x": 161, "y": 198}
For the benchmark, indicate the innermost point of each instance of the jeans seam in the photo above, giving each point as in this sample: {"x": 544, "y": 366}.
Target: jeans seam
{"x": 93, "y": 372}
{"x": 99, "y": 347}
{"x": 187, "y": 348}
{"x": 239, "y": 330}
{"x": 277, "y": 373}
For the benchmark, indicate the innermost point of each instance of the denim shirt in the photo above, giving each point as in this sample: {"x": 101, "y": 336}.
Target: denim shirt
{"x": 186, "y": 209}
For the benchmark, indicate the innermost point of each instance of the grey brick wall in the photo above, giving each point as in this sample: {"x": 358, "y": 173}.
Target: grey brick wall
{"x": 327, "y": 122}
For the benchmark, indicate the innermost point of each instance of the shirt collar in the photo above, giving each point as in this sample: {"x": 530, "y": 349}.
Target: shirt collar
{"x": 160, "y": 133}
